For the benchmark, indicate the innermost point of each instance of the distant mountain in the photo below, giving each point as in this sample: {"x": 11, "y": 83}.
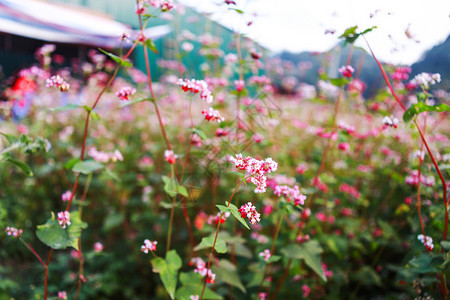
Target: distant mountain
{"x": 436, "y": 60}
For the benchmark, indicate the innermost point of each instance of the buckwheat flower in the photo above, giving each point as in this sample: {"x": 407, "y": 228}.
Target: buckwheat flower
{"x": 327, "y": 272}
{"x": 426, "y": 241}
{"x": 390, "y": 121}
{"x": 140, "y": 8}
{"x": 228, "y": 2}
{"x": 303, "y": 238}
{"x": 170, "y": 157}
{"x": 221, "y": 218}
{"x": 262, "y": 296}
{"x": 230, "y": 58}
{"x": 212, "y": 115}
{"x": 290, "y": 194}
{"x": 148, "y": 246}
{"x": 125, "y": 92}
{"x": 200, "y": 268}
{"x": 59, "y": 82}
{"x": 306, "y": 290}
{"x": 239, "y": 85}
{"x": 346, "y": 71}
{"x": 344, "y": 146}
{"x": 266, "y": 254}
{"x": 116, "y": 155}
{"x": 419, "y": 154}
{"x": 249, "y": 211}
{"x": 66, "y": 196}
{"x": 426, "y": 79}
{"x": 167, "y": 5}
{"x": 194, "y": 297}
{"x": 98, "y": 247}
{"x": 11, "y": 231}
{"x": 64, "y": 218}
{"x": 62, "y": 295}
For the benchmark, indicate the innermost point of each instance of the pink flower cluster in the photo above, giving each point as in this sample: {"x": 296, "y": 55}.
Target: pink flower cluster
{"x": 346, "y": 71}
{"x": 239, "y": 85}
{"x": 148, "y": 246}
{"x": 427, "y": 241}
{"x": 98, "y": 247}
{"x": 64, "y": 218}
{"x": 256, "y": 168}
{"x": 196, "y": 86}
{"x": 62, "y": 295}
{"x": 390, "y": 121}
{"x": 105, "y": 157}
{"x": 345, "y": 127}
{"x": 306, "y": 290}
{"x": 200, "y": 268}
{"x": 426, "y": 79}
{"x": 327, "y": 272}
{"x": 290, "y": 194}
{"x": 249, "y": 211}
{"x": 349, "y": 190}
{"x": 413, "y": 179}
{"x": 59, "y": 82}
{"x": 13, "y": 231}
{"x": 220, "y": 218}
{"x": 212, "y": 115}
{"x": 303, "y": 238}
{"x": 261, "y": 80}
{"x": 401, "y": 73}
{"x": 266, "y": 254}
{"x": 125, "y": 92}
{"x": 170, "y": 157}
{"x": 66, "y": 196}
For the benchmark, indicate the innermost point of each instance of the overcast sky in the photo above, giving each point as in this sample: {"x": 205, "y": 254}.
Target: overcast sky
{"x": 298, "y": 25}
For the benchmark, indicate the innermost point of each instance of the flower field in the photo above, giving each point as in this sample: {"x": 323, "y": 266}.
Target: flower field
{"x": 116, "y": 185}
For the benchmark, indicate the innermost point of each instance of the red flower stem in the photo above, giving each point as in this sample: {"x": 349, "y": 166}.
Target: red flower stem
{"x": 285, "y": 274}
{"x": 80, "y": 253}
{"x": 46, "y": 272}
{"x": 419, "y": 169}
{"x": 211, "y": 254}
{"x": 443, "y": 284}
{"x": 28, "y": 245}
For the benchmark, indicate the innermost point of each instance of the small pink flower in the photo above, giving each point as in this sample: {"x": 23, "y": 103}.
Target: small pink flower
{"x": 249, "y": 211}
{"x": 344, "y": 146}
{"x": 64, "y": 218}
{"x": 301, "y": 168}
{"x": 59, "y": 82}
{"x": 346, "y": 71}
{"x": 239, "y": 85}
{"x": 306, "y": 290}
{"x": 125, "y": 92}
{"x": 11, "y": 231}
{"x": 262, "y": 296}
{"x": 427, "y": 241}
{"x": 170, "y": 157}
{"x": 149, "y": 246}
{"x": 212, "y": 115}
{"x": 22, "y": 129}
{"x": 62, "y": 295}
{"x": 66, "y": 196}
{"x": 98, "y": 247}
{"x": 257, "y": 138}
{"x": 266, "y": 254}
{"x": 194, "y": 297}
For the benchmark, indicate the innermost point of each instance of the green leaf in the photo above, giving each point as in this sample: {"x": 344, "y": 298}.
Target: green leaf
{"x": 192, "y": 284}
{"x": 69, "y": 165}
{"x": 67, "y": 107}
{"x": 56, "y": 237}
{"x": 87, "y": 166}
{"x": 236, "y": 10}
{"x": 339, "y": 81}
{"x": 168, "y": 270}
{"x": 445, "y": 245}
{"x": 151, "y": 45}
{"x": 417, "y": 108}
{"x": 200, "y": 133}
{"x": 227, "y": 272}
{"x": 11, "y": 138}
{"x": 95, "y": 116}
{"x": 52, "y": 234}
{"x": 172, "y": 187}
{"x": 136, "y": 101}
{"x": 235, "y": 212}
{"x": 21, "y": 165}
{"x": 117, "y": 59}
{"x": 240, "y": 175}
{"x": 423, "y": 264}
{"x": 207, "y": 242}
{"x": 310, "y": 252}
